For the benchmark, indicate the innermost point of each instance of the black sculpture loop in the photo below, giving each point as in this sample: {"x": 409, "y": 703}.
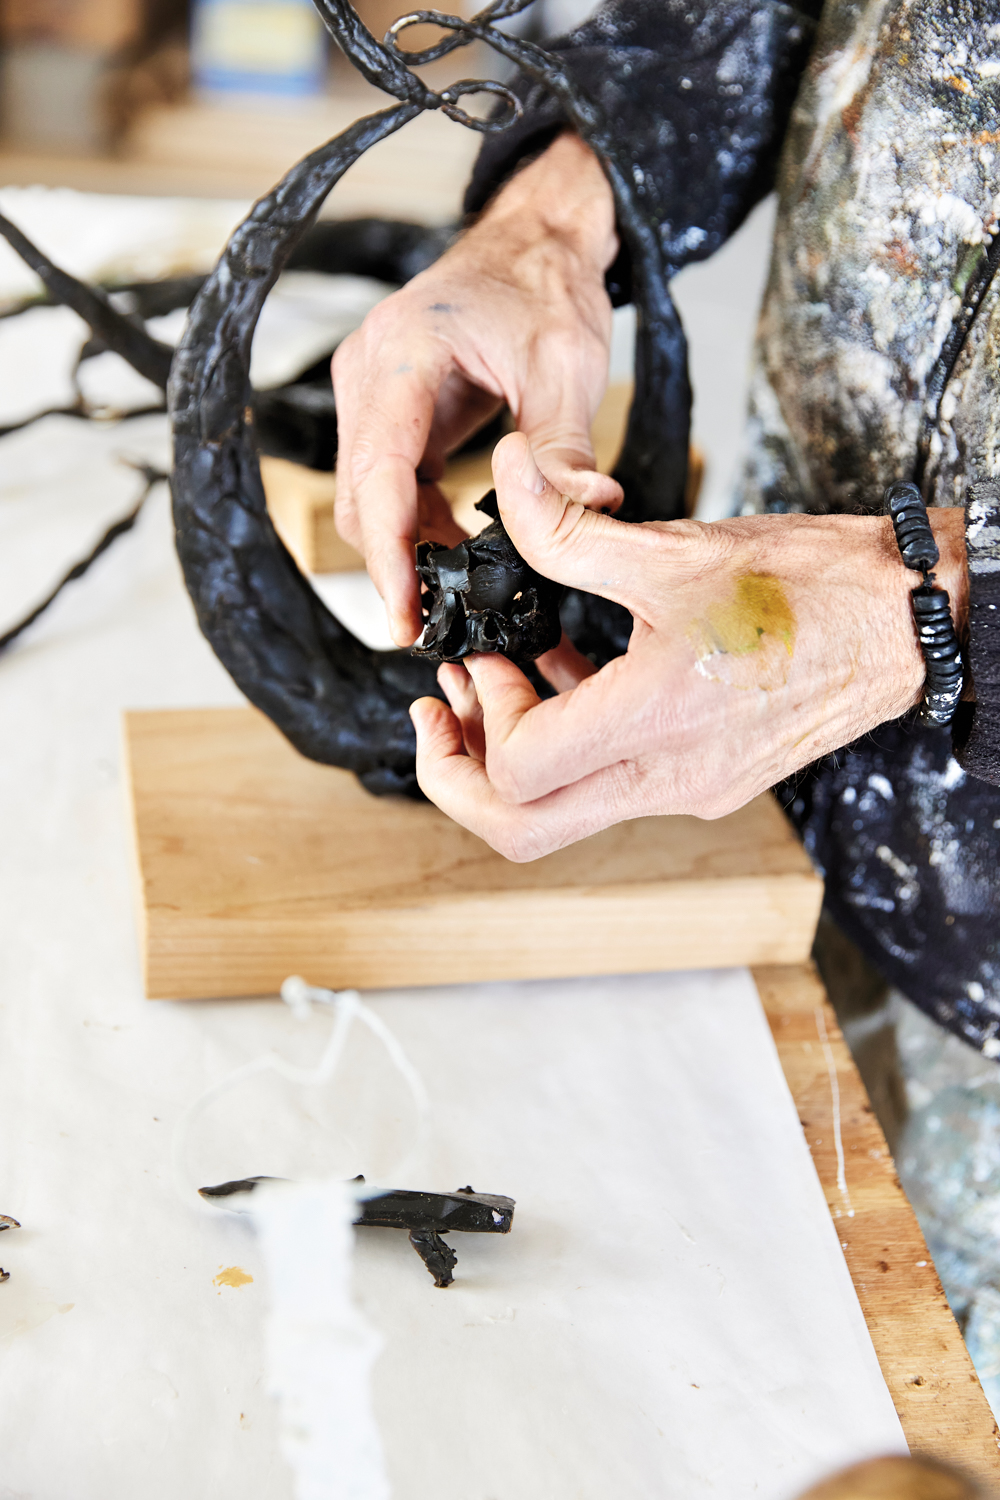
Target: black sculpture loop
{"x": 336, "y": 700}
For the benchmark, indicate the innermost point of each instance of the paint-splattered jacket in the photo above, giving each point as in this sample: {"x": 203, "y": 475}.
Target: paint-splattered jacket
{"x": 879, "y": 123}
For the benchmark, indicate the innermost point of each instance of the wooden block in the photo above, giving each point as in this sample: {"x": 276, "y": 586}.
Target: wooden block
{"x": 926, "y": 1366}
{"x": 301, "y": 500}
{"x": 255, "y": 863}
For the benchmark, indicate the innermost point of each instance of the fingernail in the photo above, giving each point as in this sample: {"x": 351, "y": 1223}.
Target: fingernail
{"x": 531, "y": 476}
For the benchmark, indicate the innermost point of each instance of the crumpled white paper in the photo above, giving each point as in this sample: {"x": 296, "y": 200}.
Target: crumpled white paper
{"x": 319, "y": 1347}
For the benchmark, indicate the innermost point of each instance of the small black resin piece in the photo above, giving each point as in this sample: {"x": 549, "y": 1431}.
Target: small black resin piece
{"x": 483, "y": 596}
{"x": 425, "y": 1216}
{"x": 436, "y": 1254}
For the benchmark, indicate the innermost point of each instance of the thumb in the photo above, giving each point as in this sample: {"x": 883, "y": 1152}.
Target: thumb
{"x": 566, "y": 541}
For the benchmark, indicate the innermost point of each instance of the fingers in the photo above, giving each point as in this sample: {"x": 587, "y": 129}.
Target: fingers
{"x": 460, "y": 690}
{"x": 459, "y": 785}
{"x": 563, "y": 376}
{"x": 385, "y": 406}
{"x": 570, "y": 543}
{"x": 435, "y": 518}
{"x": 533, "y": 747}
{"x": 564, "y": 668}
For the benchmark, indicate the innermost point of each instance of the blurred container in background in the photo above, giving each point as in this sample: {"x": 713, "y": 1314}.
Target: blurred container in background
{"x": 74, "y": 72}
{"x": 270, "y": 47}
{"x": 55, "y": 57}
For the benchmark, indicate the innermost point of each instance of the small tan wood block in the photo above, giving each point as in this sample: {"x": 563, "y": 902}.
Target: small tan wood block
{"x": 301, "y": 500}
{"x": 256, "y": 863}
{"x": 935, "y": 1389}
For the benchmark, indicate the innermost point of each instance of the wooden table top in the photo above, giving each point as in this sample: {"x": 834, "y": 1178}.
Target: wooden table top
{"x": 935, "y": 1389}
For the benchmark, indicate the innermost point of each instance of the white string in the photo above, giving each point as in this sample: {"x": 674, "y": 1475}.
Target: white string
{"x": 831, "y": 1068}
{"x": 300, "y": 997}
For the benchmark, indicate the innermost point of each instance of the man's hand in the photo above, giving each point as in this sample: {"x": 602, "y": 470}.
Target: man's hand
{"x": 516, "y": 311}
{"x": 759, "y": 644}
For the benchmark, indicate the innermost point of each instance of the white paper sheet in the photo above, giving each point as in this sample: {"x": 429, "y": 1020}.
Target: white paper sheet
{"x": 671, "y": 1315}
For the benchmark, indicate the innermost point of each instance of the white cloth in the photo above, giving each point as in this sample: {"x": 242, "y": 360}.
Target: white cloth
{"x": 671, "y": 1314}
{"x": 320, "y": 1348}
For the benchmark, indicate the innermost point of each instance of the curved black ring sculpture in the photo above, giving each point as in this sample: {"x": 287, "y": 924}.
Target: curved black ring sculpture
{"x": 338, "y": 701}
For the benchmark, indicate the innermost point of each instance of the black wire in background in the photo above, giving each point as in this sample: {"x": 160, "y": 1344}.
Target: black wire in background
{"x": 118, "y": 528}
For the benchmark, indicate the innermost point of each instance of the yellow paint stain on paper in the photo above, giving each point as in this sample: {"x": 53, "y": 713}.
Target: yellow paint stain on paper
{"x": 747, "y": 640}
{"x": 233, "y": 1276}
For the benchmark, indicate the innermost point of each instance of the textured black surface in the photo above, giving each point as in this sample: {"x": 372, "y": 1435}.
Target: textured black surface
{"x": 941, "y": 651}
{"x": 337, "y": 701}
{"x": 483, "y": 596}
{"x": 436, "y": 1254}
{"x": 392, "y": 250}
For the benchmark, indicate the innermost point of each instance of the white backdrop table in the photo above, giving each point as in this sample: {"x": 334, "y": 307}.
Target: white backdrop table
{"x": 671, "y": 1315}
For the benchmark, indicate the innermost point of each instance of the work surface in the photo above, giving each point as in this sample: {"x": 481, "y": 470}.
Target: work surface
{"x": 253, "y": 861}
{"x": 128, "y": 1368}
{"x": 94, "y": 1078}
{"x": 650, "y": 1326}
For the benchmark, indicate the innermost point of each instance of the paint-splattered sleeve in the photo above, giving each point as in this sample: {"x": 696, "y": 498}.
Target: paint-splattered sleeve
{"x": 700, "y": 90}
{"x": 978, "y": 738}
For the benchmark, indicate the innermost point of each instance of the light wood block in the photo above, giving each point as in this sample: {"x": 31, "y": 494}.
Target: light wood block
{"x": 926, "y": 1366}
{"x": 301, "y": 500}
{"x": 255, "y": 863}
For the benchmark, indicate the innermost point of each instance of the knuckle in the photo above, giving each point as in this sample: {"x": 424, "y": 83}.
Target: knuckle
{"x": 505, "y": 778}
{"x": 344, "y": 360}
{"x": 345, "y": 519}
{"x": 519, "y": 843}
{"x": 570, "y": 530}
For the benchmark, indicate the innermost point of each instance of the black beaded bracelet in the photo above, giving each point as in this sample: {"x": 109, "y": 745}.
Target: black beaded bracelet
{"x": 931, "y": 605}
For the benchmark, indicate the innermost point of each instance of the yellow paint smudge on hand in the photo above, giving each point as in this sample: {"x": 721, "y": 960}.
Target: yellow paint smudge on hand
{"x": 747, "y": 640}
{"x": 233, "y": 1276}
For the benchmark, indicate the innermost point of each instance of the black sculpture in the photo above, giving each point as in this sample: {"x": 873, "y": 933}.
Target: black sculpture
{"x": 297, "y": 421}
{"x": 338, "y": 701}
{"x": 483, "y": 596}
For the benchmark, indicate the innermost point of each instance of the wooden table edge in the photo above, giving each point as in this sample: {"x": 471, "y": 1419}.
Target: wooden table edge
{"x": 926, "y": 1366}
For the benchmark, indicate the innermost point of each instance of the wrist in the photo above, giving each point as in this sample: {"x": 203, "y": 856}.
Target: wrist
{"x": 562, "y": 196}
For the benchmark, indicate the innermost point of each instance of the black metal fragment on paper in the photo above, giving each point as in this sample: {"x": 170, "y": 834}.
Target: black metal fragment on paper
{"x": 424, "y": 1216}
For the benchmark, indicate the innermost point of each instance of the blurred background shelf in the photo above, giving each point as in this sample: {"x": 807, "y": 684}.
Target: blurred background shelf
{"x": 208, "y": 98}
{"x": 239, "y": 149}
